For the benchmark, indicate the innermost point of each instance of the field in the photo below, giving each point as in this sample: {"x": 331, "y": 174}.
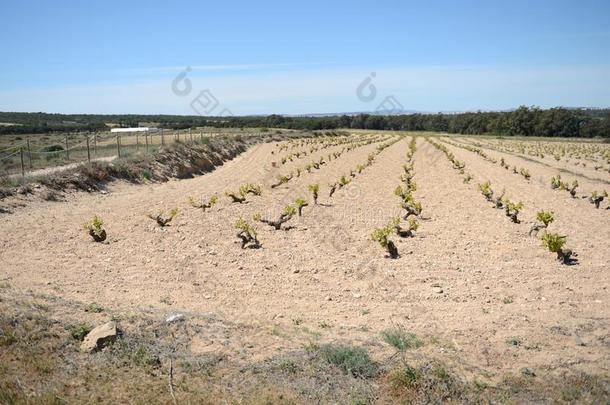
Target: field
{"x": 472, "y": 308}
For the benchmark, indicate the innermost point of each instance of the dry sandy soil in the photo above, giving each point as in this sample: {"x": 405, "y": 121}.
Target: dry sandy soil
{"x": 483, "y": 296}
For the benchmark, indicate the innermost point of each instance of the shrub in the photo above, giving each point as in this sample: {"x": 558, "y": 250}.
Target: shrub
{"x": 344, "y": 181}
{"x": 95, "y": 229}
{"x": 499, "y": 200}
{"x": 554, "y": 243}
{"x": 486, "y": 190}
{"x": 467, "y": 178}
{"x": 556, "y": 182}
{"x": 203, "y": 205}
{"x": 512, "y": 209}
{"x": 596, "y": 198}
{"x": 315, "y": 189}
{"x": 412, "y": 226}
{"x": 400, "y": 339}
{"x": 238, "y": 197}
{"x": 282, "y": 179}
{"x": 285, "y": 216}
{"x": 351, "y": 359}
{"x": 381, "y": 236}
{"x": 404, "y": 378}
{"x": 573, "y": 187}
{"x": 333, "y": 187}
{"x": 546, "y": 217}
{"x": 249, "y": 188}
{"x": 300, "y": 203}
{"x": 247, "y": 234}
{"x": 79, "y": 331}
{"x": 525, "y": 173}
{"x": 164, "y": 220}
{"x": 411, "y": 206}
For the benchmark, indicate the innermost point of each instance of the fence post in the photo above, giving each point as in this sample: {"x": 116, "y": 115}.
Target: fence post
{"x": 30, "y": 154}
{"x": 88, "y": 150}
{"x": 137, "y": 142}
{"x": 118, "y": 145}
{"x": 190, "y": 135}
{"x": 146, "y": 138}
{"x": 95, "y": 144}
{"x": 67, "y": 149}
{"x": 178, "y": 134}
{"x": 22, "y": 165}
{"x": 162, "y": 138}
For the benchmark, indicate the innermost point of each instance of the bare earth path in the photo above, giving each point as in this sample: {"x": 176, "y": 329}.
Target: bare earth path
{"x": 497, "y": 284}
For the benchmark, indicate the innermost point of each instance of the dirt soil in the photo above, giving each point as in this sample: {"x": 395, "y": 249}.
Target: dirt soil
{"x": 486, "y": 298}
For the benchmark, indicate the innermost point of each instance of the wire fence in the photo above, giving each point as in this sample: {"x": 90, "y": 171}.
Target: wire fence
{"x": 39, "y": 153}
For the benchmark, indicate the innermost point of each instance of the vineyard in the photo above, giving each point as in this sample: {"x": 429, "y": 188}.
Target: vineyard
{"x": 493, "y": 253}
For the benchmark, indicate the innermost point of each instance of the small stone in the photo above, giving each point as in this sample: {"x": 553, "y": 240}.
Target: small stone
{"x": 437, "y": 289}
{"x": 99, "y": 337}
{"x": 328, "y": 299}
{"x": 175, "y": 318}
{"x": 295, "y": 271}
{"x": 579, "y": 341}
{"x": 528, "y": 372}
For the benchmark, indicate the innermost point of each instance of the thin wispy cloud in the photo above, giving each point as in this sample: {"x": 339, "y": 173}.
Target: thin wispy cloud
{"x": 225, "y": 67}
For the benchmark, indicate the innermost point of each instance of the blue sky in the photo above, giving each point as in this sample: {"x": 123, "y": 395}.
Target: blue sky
{"x": 310, "y": 57}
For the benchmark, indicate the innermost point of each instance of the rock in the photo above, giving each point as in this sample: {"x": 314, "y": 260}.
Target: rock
{"x": 578, "y": 340}
{"x": 437, "y": 289}
{"x": 528, "y": 372}
{"x": 296, "y": 271}
{"x": 175, "y": 318}
{"x": 99, "y": 337}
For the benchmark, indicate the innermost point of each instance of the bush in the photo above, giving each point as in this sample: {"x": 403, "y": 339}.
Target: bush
{"x": 95, "y": 229}
{"x": 512, "y": 209}
{"x": 315, "y": 189}
{"x": 351, "y": 359}
{"x": 79, "y": 331}
{"x": 247, "y": 234}
{"x": 162, "y": 220}
{"x": 203, "y": 205}
{"x": 554, "y": 243}
{"x": 546, "y": 217}
{"x": 400, "y": 339}
{"x": 381, "y": 236}
{"x": 300, "y": 203}
{"x": 485, "y": 189}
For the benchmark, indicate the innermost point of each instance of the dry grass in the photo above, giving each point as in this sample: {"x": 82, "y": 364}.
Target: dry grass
{"x": 39, "y": 339}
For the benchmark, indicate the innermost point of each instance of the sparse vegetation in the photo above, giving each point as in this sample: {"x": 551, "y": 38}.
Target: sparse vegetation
{"x": 544, "y": 218}
{"x": 247, "y": 234}
{"x": 400, "y": 339}
{"x": 213, "y": 200}
{"x": 554, "y": 243}
{"x": 597, "y": 198}
{"x": 352, "y": 360}
{"x": 314, "y": 189}
{"x": 95, "y": 229}
{"x": 512, "y": 209}
{"x": 164, "y": 220}
{"x": 300, "y": 203}
{"x": 381, "y": 236}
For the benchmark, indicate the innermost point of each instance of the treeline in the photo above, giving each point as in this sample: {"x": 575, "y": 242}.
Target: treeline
{"x": 524, "y": 121}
